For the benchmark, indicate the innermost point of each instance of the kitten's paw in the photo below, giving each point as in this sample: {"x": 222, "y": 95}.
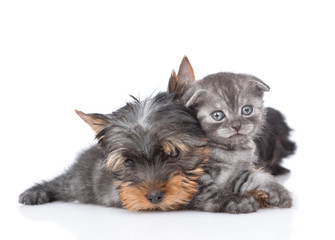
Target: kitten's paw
{"x": 35, "y": 195}
{"x": 243, "y": 204}
{"x": 278, "y": 197}
{"x": 261, "y": 197}
{"x": 285, "y": 200}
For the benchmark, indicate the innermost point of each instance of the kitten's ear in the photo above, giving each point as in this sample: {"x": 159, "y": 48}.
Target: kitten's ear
{"x": 191, "y": 96}
{"x": 98, "y": 122}
{"x": 260, "y": 84}
{"x": 185, "y": 76}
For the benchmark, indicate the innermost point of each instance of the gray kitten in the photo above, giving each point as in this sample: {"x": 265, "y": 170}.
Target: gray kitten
{"x": 230, "y": 110}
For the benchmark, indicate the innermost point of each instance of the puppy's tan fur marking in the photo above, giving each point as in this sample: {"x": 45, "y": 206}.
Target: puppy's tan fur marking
{"x": 169, "y": 147}
{"x": 178, "y": 191}
{"x": 115, "y": 159}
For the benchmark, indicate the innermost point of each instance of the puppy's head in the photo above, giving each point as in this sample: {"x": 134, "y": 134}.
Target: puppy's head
{"x": 155, "y": 150}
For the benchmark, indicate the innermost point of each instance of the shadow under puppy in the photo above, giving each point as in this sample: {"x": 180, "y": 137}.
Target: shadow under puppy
{"x": 149, "y": 156}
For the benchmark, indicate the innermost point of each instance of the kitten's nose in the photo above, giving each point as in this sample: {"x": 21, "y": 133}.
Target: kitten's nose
{"x": 237, "y": 128}
{"x": 155, "y": 196}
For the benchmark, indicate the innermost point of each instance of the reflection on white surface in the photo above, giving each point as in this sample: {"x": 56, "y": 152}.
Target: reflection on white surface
{"x": 88, "y": 222}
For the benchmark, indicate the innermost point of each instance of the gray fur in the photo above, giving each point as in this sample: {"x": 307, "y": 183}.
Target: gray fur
{"x": 230, "y": 169}
{"x": 273, "y": 143}
{"x": 137, "y": 133}
{"x": 85, "y": 181}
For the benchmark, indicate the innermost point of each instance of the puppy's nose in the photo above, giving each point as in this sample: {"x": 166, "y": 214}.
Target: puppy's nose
{"x": 155, "y": 196}
{"x": 237, "y": 128}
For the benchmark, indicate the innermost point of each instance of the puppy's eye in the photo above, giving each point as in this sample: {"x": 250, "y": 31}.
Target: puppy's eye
{"x": 173, "y": 154}
{"x": 218, "y": 115}
{"x": 247, "y": 110}
{"x": 128, "y": 162}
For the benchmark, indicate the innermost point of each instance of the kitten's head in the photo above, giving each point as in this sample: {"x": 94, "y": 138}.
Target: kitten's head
{"x": 229, "y": 106}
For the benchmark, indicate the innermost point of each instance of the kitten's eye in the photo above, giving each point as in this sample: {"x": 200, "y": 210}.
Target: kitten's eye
{"x": 173, "y": 154}
{"x": 247, "y": 110}
{"x": 128, "y": 162}
{"x": 218, "y": 115}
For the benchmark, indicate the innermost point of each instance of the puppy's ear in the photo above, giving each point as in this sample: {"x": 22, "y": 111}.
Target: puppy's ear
{"x": 98, "y": 122}
{"x": 185, "y": 76}
{"x": 185, "y": 72}
{"x": 175, "y": 85}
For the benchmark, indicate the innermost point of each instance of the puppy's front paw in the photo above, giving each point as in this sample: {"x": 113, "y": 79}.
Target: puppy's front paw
{"x": 242, "y": 204}
{"x": 35, "y": 195}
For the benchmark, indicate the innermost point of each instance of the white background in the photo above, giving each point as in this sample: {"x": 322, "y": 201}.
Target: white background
{"x": 56, "y": 56}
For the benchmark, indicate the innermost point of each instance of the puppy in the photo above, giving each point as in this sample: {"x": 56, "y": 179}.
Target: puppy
{"x": 149, "y": 156}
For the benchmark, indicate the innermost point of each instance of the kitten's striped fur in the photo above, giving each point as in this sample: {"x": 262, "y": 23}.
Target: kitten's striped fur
{"x": 230, "y": 182}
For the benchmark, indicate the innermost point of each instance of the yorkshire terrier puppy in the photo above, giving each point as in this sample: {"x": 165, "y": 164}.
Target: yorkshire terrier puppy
{"x": 149, "y": 156}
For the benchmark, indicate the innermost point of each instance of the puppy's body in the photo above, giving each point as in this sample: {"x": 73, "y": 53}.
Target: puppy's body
{"x": 87, "y": 181}
{"x": 149, "y": 157}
